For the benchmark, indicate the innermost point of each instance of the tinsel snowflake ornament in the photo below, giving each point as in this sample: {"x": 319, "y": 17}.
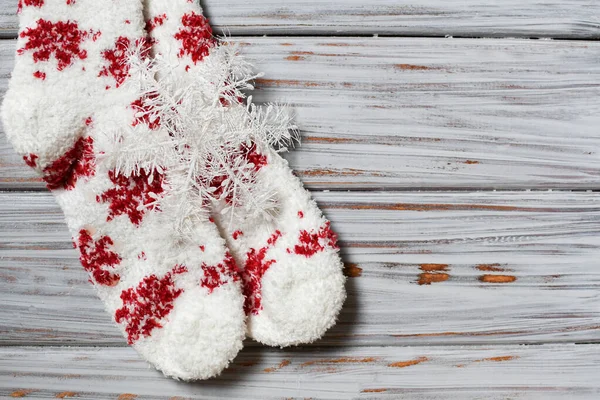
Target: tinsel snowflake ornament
{"x": 211, "y": 134}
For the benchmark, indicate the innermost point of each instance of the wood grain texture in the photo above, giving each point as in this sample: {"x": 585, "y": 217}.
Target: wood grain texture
{"x": 548, "y": 372}
{"x": 528, "y": 18}
{"x": 425, "y": 268}
{"x": 465, "y": 278}
{"x": 407, "y": 113}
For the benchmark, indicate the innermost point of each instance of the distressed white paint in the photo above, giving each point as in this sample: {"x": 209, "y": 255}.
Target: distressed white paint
{"x": 391, "y": 113}
{"x": 547, "y": 241}
{"x": 424, "y": 113}
{"x": 548, "y": 372}
{"x": 528, "y": 18}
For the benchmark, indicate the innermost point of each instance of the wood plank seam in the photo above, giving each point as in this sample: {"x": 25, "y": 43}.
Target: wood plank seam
{"x": 509, "y": 18}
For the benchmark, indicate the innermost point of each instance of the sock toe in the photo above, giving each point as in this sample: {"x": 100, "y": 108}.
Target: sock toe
{"x": 301, "y": 301}
{"x": 200, "y": 338}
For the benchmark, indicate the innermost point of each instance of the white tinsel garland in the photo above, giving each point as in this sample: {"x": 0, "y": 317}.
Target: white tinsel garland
{"x": 200, "y": 141}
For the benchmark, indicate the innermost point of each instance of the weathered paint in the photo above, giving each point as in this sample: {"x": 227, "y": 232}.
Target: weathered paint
{"x": 545, "y": 243}
{"x": 541, "y": 372}
{"x": 478, "y": 18}
{"x": 452, "y": 267}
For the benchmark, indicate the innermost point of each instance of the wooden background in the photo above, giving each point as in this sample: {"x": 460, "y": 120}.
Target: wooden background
{"x": 455, "y": 145}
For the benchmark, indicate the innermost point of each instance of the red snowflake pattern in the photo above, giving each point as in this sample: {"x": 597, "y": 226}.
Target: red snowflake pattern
{"x": 313, "y": 242}
{"x": 217, "y": 275}
{"x": 29, "y": 3}
{"x": 63, "y": 39}
{"x": 96, "y": 256}
{"x": 130, "y": 195}
{"x": 195, "y": 36}
{"x": 147, "y": 304}
{"x": 117, "y": 58}
{"x": 76, "y": 163}
{"x": 255, "y": 268}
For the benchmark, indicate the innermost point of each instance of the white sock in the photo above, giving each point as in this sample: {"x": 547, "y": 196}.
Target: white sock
{"x": 76, "y": 109}
{"x": 293, "y": 280}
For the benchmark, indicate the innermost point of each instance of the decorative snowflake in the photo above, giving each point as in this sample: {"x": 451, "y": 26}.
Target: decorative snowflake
{"x": 117, "y": 58}
{"x": 147, "y": 304}
{"x": 218, "y": 275}
{"x": 313, "y": 242}
{"x": 96, "y": 256}
{"x": 195, "y": 36}
{"x": 132, "y": 195}
{"x": 63, "y": 39}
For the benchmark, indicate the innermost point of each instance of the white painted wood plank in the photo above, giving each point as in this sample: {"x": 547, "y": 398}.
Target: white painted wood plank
{"x": 426, "y": 268}
{"x": 528, "y": 18}
{"x": 547, "y": 372}
{"x": 410, "y": 113}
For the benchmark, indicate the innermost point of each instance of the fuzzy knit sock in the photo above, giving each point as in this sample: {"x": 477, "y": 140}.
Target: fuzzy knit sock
{"x": 292, "y": 273}
{"x": 77, "y": 110}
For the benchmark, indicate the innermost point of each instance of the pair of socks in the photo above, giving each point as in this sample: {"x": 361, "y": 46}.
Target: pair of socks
{"x": 194, "y": 231}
